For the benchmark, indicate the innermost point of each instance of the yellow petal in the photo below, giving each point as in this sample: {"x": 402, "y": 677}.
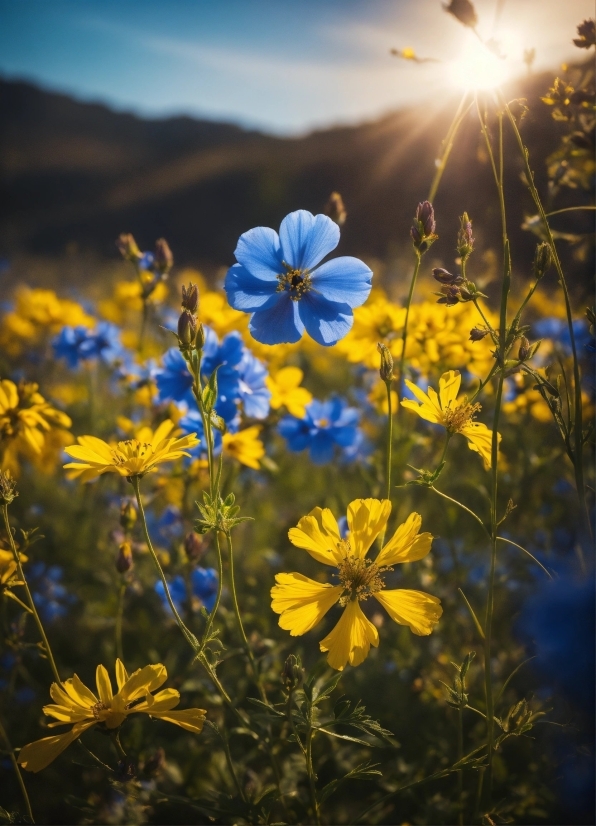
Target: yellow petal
{"x": 104, "y": 686}
{"x": 414, "y": 608}
{"x": 318, "y": 534}
{"x": 67, "y": 715}
{"x": 366, "y": 519}
{"x": 426, "y": 409}
{"x": 162, "y": 432}
{"x": 162, "y": 701}
{"x": 73, "y": 691}
{"x": 36, "y": 756}
{"x": 121, "y": 674}
{"x": 191, "y": 719}
{"x": 302, "y": 602}
{"x": 351, "y": 639}
{"x": 480, "y": 439}
{"x": 142, "y": 682}
{"x": 449, "y": 384}
{"x": 406, "y": 544}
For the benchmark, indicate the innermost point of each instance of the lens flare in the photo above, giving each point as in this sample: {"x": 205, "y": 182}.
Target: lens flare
{"x": 478, "y": 67}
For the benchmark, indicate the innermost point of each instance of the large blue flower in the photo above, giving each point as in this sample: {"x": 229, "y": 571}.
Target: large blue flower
{"x": 325, "y": 425}
{"x": 275, "y": 279}
{"x": 76, "y": 344}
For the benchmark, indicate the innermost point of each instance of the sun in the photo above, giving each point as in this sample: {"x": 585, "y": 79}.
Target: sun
{"x": 477, "y": 67}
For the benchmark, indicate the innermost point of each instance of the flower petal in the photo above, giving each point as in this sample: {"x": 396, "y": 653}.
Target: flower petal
{"x": 245, "y": 292}
{"x": 142, "y": 681}
{"x": 302, "y": 602}
{"x": 278, "y": 323}
{"x": 191, "y": 719}
{"x": 162, "y": 701}
{"x": 449, "y": 384}
{"x": 318, "y": 533}
{"x": 366, "y": 519}
{"x": 259, "y": 252}
{"x": 406, "y": 544}
{"x": 104, "y": 686}
{"x": 345, "y": 280}
{"x": 426, "y": 409}
{"x": 418, "y": 610}
{"x": 121, "y": 673}
{"x": 351, "y": 639}
{"x": 480, "y": 439}
{"x": 325, "y": 321}
{"x": 306, "y": 238}
{"x": 36, "y": 756}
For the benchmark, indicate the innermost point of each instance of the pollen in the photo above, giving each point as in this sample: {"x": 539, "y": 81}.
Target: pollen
{"x": 456, "y": 418}
{"x": 97, "y": 710}
{"x": 297, "y": 282}
{"x": 360, "y": 578}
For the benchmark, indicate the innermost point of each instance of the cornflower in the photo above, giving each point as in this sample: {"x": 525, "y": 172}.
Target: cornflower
{"x": 75, "y": 703}
{"x": 25, "y": 418}
{"x": 130, "y": 458}
{"x": 455, "y": 417}
{"x": 303, "y": 602}
{"x": 286, "y": 391}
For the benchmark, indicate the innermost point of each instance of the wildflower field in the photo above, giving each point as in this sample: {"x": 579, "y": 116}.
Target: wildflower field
{"x": 308, "y": 544}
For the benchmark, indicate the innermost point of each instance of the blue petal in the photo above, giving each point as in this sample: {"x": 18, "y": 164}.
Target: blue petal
{"x": 321, "y": 448}
{"x": 296, "y": 432}
{"x": 278, "y": 323}
{"x": 346, "y": 280}
{"x": 259, "y": 252}
{"x": 325, "y": 321}
{"x": 306, "y": 238}
{"x": 245, "y": 292}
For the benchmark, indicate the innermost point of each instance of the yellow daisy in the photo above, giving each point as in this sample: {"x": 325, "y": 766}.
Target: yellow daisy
{"x": 75, "y": 703}
{"x": 286, "y": 391}
{"x": 456, "y": 417}
{"x": 8, "y": 568}
{"x": 133, "y": 457}
{"x": 25, "y": 417}
{"x": 303, "y": 602}
{"x": 245, "y": 446}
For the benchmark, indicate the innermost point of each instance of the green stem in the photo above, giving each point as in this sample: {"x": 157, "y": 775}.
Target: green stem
{"x": 40, "y": 628}
{"x": 17, "y": 770}
{"x": 463, "y": 507}
{"x": 460, "y": 774}
{"x": 404, "y": 335}
{"x": 118, "y": 745}
{"x": 447, "y": 145}
{"x": 389, "y": 438}
{"x": 311, "y": 774}
{"x": 119, "y": 614}
{"x": 211, "y": 617}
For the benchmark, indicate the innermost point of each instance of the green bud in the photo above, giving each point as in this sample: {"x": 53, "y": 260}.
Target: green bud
{"x": 386, "y": 370}
{"x": 291, "y": 676}
{"x": 542, "y": 259}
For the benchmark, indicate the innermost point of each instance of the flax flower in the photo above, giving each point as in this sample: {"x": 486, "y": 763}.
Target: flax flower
{"x": 286, "y": 391}
{"x": 303, "y": 602}
{"x": 133, "y": 457}
{"x": 456, "y": 417}
{"x": 75, "y": 703}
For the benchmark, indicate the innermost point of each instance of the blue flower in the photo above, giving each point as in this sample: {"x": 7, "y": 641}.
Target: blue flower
{"x": 174, "y": 382}
{"x": 276, "y": 281}
{"x": 165, "y": 529}
{"x": 325, "y": 426}
{"x": 50, "y": 596}
{"x": 252, "y": 390}
{"x": 557, "y": 329}
{"x": 76, "y": 344}
{"x": 177, "y": 589}
{"x": 203, "y": 583}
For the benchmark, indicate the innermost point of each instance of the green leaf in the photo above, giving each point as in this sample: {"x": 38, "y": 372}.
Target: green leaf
{"x": 209, "y": 395}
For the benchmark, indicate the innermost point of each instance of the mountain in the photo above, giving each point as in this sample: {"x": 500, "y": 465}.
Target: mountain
{"x": 80, "y": 172}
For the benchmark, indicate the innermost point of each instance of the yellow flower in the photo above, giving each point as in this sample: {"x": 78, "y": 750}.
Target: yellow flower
{"x": 456, "y": 418}
{"x": 25, "y": 420}
{"x": 303, "y": 602}
{"x": 377, "y": 320}
{"x": 75, "y": 703}
{"x": 8, "y": 568}
{"x": 378, "y": 398}
{"x": 133, "y": 457}
{"x": 216, "y": 313}
{"x": 286, "y": 391}
{"x": 245, "y": 446}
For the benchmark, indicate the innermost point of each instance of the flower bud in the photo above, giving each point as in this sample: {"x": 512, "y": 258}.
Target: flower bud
{"x": 386, "y": 370}
{"x": 190, "y": 298}
{"x": 124, "y": 560}
{"x": 450, "y": 295}
{"x": 542, "y": 259}
{"x": 200, "y": 339}
{"x": 524, "y": 348}
{"x": 291, "y": 674}
{"x": 464, "y": 11}
{"x": 335, "y": 209}
{"x": 187, "y": 329}
{"x": 465, "y": 239}
{"x": 478, "y": 333}
{"x": 7, "y": 487}
{"x": 445, "y": 277}
{"x": 194, "y": 545}
{"x": 128, "y": 247}
{"x": 422, "y": 230}
{"x": 465, "y": 293}
{"x": 163, "y": 258}
{"x": 128, "y": 515}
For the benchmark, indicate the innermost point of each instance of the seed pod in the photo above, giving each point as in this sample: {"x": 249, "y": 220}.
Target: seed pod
{"x": 478, "y": 333}
{"x": 542, "y": 259}
{"x": 386, "y": 369}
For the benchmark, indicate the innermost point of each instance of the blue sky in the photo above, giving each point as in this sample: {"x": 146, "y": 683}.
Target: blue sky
{"x": 285, "y": 66}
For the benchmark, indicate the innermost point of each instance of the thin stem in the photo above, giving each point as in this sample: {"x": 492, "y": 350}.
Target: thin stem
{"x": 460, "y": 774}
{"x": 17, "y": 769}
{"x": 486, "y": 322}
{"x": 38, "y": 622}
{"x": 463, "y": 507}
{"x": 404, "y": 335}
{"x": 229, "y": 761}
{"x": 311, "y": 774}
{"x": 389, "y": 438}
{"x": 118, "y": 745}
{"x": 211, "y": 617}
{"x": 119, "y": 614}
{"x": 447, "y": 145}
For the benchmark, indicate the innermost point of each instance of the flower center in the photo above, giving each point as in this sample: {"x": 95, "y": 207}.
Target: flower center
{"x": 297, "y": 282}
{"x": 130, "y": 449}
{"x": 360, "y": 578}
{"x": 99, "y": 710}
{"x": 456, "y": 418}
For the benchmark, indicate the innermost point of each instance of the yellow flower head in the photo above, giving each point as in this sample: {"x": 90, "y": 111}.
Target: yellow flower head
{"x": 75, "y": 703}
{"x": 286, "y": 391}
{"x": 133, "y": 457}
{"x": 8, "y": 568}
{"x": 245, "y": 446}
{"x": 443, "y": 409}
{"x": 303, "y": 602}
{"x": 25, "y": 418}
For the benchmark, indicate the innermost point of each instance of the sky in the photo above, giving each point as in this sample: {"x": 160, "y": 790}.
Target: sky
{"x": 283, "y": 66}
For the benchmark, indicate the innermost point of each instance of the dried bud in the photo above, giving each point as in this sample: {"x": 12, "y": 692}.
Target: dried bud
{"x": 156, "y": 762}
{"x": 524, "y": 348}
{"x": 7, "y": 488}
{"x": 465, "y": 239}
{"x": 445, "y": 277}
{"x": 450, "y": 295}
{"x": 124, "y": 560}
{"x": 542, "y": 259}
{"x": 190, "y": 298}
{"x": 468, "y": 291}
{"x": 187, "y": 330}
{"x": 422, "y": 230}
{"x": 163, "y": 258}
{"x": 335, "y": 209}
{"x": 587, "y": 35}
{"x": 291, "y": 675}
{"x": 386, "y": 370}
{"x": 128, "y": 515}
{"x": 200, "y": 339}
{"x": 478, "y": 333}
{"x": 463, "y": 11}
{"x": 194, "y": 545}
{"x": 128, "y": 247}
